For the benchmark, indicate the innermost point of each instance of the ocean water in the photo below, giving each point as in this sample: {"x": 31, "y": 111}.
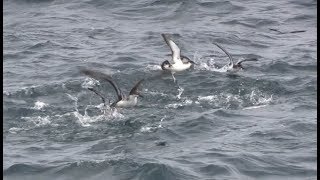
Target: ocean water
{"x": 259, "y": 123}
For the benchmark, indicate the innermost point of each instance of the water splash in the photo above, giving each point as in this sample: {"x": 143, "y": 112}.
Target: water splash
{"x": 180, "y": 91}
{"x": 257, "y": 98}
{"x": 89, "y": 83}
{"x": 75, "y": 99}
{"x": 153, "y": 128}
{"x": 210, "y": 65}
{"x": 85, "y": 119}
{"x": 153, "y": 67}
{"x": 234, "y": 101}
{"x": 160, "y": 123}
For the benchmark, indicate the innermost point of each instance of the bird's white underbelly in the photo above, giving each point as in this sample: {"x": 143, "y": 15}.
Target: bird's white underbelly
{"x": 127, "y": 103}
{"x": 180, "y": 67}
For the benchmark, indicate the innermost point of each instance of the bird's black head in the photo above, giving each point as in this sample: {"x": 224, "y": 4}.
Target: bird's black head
{"x": 165, "y": 65}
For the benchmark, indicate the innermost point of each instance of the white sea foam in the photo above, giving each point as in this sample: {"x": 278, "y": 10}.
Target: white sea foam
{"x": 38, "y": 120}
{"x": 255, "y": 99}
{"x": 14, "y": 130}
{"x": 174, "y": 105}
{"x": 38, "y": 105}
{"x": 156, "y": 93}
{"x": 186, "y": 102}
{"x": 225, "y": 100}
{"x": 146, "y": 129}
{"x": 6, "y": 93}
{"x": 210, "y": 98}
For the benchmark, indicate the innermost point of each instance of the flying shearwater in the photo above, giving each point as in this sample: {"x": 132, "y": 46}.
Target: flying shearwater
{"x": 233, "y": 67}
{"x": 122, "y": 101}
{"x": 180, "y": 62}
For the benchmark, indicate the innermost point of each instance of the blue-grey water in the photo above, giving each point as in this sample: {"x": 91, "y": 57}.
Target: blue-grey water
{"x": 259, "y": 123}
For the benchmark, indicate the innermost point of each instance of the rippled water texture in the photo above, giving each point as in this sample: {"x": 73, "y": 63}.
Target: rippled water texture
{"x": 259, "y": 123}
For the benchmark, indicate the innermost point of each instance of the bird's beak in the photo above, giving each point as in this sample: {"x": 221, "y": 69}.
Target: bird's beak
{"x": 192, "y": 62}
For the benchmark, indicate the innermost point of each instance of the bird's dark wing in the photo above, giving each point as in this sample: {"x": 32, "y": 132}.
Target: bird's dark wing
{"x": 225, "y": 51}
{"x": 249, "y": 59}
{"x": 175, "y": 50}
{"x": 185, "y": 59}
{"x": 134, "y": 90}
{"x": 102, "y": 76}
{"x": 97, "y": 93}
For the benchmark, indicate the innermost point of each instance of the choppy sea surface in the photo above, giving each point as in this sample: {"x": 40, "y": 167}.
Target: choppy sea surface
{"x": 259, "y": 123}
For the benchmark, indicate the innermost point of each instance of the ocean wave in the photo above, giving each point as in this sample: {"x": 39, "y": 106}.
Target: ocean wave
{"x": 266, "y": 166}
{"x": 121, "y": 168}
{"x": 41, "y": 45}
{"x": 24, "y": 169}
{"x": 284, "y": 67}
{"x": 222, "y": 5}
